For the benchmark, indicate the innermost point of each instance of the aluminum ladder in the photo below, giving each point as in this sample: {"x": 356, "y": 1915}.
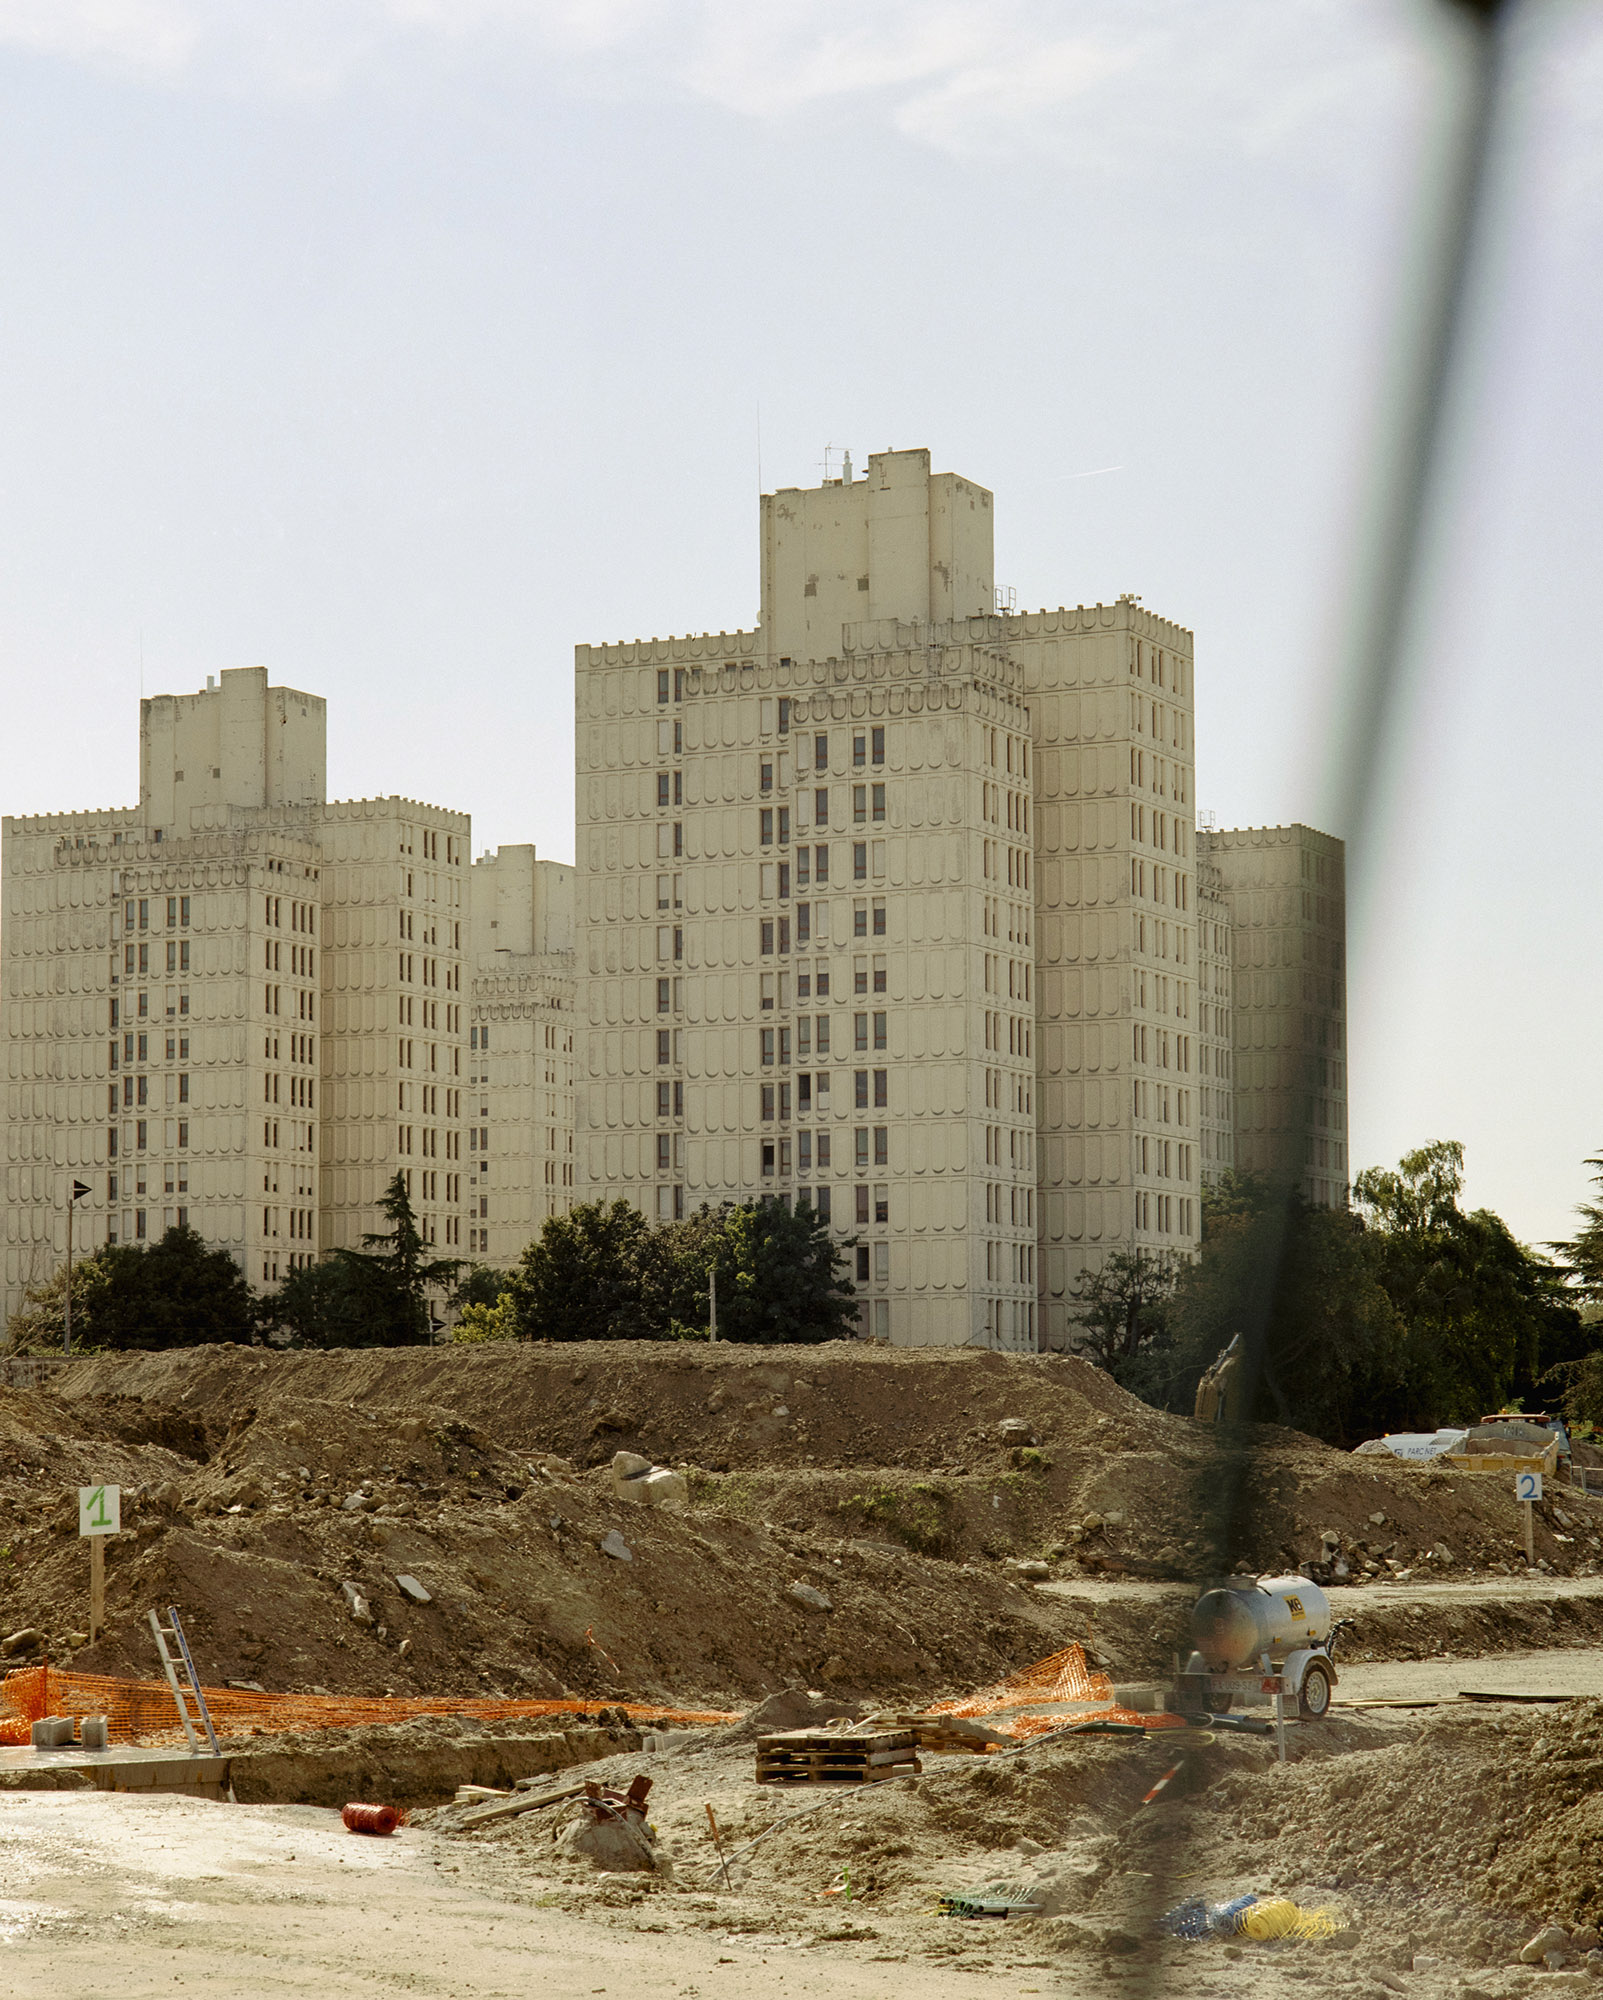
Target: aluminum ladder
{"x": 179, "y": 1667}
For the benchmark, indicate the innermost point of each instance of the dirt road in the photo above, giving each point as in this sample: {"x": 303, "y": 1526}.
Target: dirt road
{"x": 119, "y": 1896}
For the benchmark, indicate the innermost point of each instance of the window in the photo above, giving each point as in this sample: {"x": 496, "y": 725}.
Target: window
{"x": 860, "y": 1089}
{"x": 859, "y": 975}
{"x": 172, "y": 910}
{"x": 823, "y": 1142}
{"x": 662, "y": 788}
{"x": 820, "y": 865}
{"x": 664, "y": 1043}
{"x": 859, "y": 749}
{"x": 878, "y": 746}
{"x": 879, "y": 975}
{"x": 768, "y": 1101}
{"x": 768, "y": 1045}
{"x": 882, "y": 1087}
{"x": 862, "y": 1248}
{"x": 804, "y": 1152}
{"x": 663, "y": 1095}
{"x": 663, "y": 888}
{"x": 678, "y": 942}
{"x": 820, "y": 753}
{"x": 784, "y": 1045}
{"x": 882, "y": 1204}
{"x": 882, "y": 1145}
{"x": 822, "y": 980}
{"x": 879, "y": 919}
{"x": 859, "y": 920}
{"x": 765, "y": 826}
{"x": 784, "y": 826}
{"x": 144, "y": 914}
{"x": 803, "y": 867}
{"x": 768, "y": 1160}
{"x": 765, "y": 775}
{"x": 804, "y": 923}
{"x": 860, "y": 1151}
{"x": 784, "y": 716}
{"x": 860, "y": 1031}
{"x": 662, "y": 684}
{"x": 664, "y": 995}
{"x": 679, "y": 839}
{"x": 822, "y": 1025}
{"x": 879, "y": 1031}
{"x": 767, "y": 936}
{"x": 878, "y": 801}
{"x": 664, "y": 1152}
{"x": 139, "y": 1135}
{"x": 821, "y": 806}
{"x": 859, "y": 860}
{"x": 859, "y": 803}
{"x": 821, "y": 1196}
{"x": 183, "y": 1090}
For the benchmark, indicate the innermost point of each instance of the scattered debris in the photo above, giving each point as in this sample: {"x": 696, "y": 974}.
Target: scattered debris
{"x": 409, "y": 1586}
{"x": 613, "y": 1544}
{"x": 995, "y": 1899}
{"x": 611, "y": 1830}
{"x": 815, "y": 1600}
{"x": 356, "y": 1603}
{"x": 637, "y": 1478}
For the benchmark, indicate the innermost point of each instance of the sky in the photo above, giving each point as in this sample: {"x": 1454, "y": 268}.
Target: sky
{"x": 399, "y": 345}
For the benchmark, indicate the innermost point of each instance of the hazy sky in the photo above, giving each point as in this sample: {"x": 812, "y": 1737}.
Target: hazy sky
{"x": 399, "y": 344}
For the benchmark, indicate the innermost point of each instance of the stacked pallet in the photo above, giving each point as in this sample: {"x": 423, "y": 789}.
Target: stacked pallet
{"x": 836, "y": 1757}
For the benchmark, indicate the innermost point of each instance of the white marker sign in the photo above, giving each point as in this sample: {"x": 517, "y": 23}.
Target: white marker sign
{"x": 100, "y": 1510}
{"x": 1527, "y": 1486}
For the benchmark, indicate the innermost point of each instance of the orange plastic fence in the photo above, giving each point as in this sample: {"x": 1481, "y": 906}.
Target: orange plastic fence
{"x": 1049, "y": 1695}
{"x": 143, "y": 1711}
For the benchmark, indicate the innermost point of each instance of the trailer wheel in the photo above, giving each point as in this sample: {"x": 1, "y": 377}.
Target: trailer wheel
{"x": 1313, "y": 1697}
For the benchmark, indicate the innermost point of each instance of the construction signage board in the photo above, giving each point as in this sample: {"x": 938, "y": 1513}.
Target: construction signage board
{"x": 100, "y": 1510}
{"x": 1527, "y": 1486}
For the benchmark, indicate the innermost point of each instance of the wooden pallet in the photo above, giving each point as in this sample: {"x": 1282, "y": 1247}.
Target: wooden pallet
{"x": 823, "y": 1757}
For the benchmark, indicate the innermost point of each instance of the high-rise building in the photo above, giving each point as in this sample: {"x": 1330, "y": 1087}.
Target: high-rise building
{"x": 1216, "y": 1111}
{"x": 888, "y": 906}
{"x": 519, "y": 1090}
{"x": 1285, "y": 890}
{"x": 236, "y": 1005}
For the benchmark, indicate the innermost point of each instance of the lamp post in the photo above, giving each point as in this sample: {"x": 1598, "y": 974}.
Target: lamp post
{"x": 78, "y": 1191}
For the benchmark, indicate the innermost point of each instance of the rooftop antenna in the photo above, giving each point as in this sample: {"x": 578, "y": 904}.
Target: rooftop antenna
{"x": 845, "y": 468}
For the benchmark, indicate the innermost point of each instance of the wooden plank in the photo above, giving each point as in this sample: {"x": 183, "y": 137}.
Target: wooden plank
{"x": 510, "y": 1808}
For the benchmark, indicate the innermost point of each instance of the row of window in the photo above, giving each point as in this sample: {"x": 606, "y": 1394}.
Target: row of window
{"x": 1163, "y": 1214}
{"x": 868, "y": 1086}
{"x": 1164, "y": 1159}
{"x": 1158, "y": 1047}
{"x": 175, "y": 1179}
{"x": 138, "y": 910}
{"x": 136, "y": 1048}
{"x": 1017, "y": 1029}
{"x": 136, "y": 958}
{"x": 141, "y": 1137}
{"x": 136, "y": 1092}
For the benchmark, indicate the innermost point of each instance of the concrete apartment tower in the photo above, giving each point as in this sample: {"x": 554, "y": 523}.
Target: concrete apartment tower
{"x": 1283, "y": 889}
{"x": 237, "y": 1005}
{"x": 519, "y": 1099}
{"x": 889, "y": 906}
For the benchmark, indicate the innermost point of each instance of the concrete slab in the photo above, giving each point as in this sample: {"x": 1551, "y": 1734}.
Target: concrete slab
{"x": 125, "y": 1767}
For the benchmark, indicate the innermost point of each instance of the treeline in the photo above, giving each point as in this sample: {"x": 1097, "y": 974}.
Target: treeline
{"x": 601, "y": 1272}
{"x": 1403, "y": 1312}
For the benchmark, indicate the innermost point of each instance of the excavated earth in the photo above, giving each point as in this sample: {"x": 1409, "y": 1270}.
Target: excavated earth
{"x": 257, "y": 1487}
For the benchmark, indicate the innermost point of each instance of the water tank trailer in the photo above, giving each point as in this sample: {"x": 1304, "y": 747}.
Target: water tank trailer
{"x": 1260, "y": 1635}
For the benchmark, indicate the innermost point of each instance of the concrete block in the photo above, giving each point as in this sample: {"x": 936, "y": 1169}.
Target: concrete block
{"x": 409, "y": 1586}
{"x": 51, "y": 1732}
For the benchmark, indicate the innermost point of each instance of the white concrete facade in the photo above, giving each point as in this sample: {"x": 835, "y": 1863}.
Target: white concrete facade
{"x": 236, "y": 1005}
{"x": 1285, "y": 889}
{"x": 896, "y": 914}
{"x": 520, "y": 1158}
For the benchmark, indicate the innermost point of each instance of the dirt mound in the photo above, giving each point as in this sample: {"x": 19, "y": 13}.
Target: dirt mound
{"x": 263, "y": 1493}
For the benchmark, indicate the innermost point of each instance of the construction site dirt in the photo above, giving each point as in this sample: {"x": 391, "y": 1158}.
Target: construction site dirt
{"x": 949, "y": 1516}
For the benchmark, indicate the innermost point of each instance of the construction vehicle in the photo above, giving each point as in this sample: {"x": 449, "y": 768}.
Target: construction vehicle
{"x": 1270, "y": 1635}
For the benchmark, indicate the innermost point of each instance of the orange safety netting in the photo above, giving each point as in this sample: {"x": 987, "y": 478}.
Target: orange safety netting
{"x": 144, "y": 1712}
{"x": 1053, "y": 1694}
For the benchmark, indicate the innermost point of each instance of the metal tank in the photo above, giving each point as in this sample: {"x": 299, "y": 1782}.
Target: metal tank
{"x": 1234, "y": 1626}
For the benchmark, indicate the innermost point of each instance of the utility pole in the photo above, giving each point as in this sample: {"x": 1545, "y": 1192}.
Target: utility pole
{"x": 78, "y": 1191}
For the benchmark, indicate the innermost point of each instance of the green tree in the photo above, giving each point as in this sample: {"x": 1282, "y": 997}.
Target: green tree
{"x": 479, "y": 1285}
{"x": 403, "y": 1277}
{"x": 175, "y": 1292}
{"x": 1487, "y": 1317}
{"x": 781, "y": 1276}
{"x": 1123, "y": 1312}
{"x": 1322, "y": 1340}
{"x": 1581, "y": 1258}
{"x": 378, "y": 1296}
{"x": 478, "y": 1322}
{"x": 582, "y": 1276}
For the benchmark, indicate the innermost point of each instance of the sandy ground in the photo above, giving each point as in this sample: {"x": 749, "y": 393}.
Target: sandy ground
{"x": 1558, "y": 1670}
{"x": 118, "y": 1898}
